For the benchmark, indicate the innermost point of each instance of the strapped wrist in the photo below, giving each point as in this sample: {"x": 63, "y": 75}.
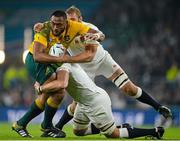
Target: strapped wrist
{"x": 40, "y": 90}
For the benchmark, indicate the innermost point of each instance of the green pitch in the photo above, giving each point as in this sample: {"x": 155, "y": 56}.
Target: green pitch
{"x": 7, "y": 134}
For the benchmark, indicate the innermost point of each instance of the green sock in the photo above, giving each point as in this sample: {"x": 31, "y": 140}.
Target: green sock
{"x": 49, "y": 113}
{"x": 33, "y": 111}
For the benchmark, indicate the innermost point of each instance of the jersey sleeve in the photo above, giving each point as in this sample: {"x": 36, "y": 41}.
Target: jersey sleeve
{"x": 40, "y": 38}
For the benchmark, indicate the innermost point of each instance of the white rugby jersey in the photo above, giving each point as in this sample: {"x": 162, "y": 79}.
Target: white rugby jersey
{"x": 81, "y": 87}
{"x": 77, "y": 48}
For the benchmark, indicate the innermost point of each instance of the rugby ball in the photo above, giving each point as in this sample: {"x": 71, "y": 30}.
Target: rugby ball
{"x": 56, "y": 50}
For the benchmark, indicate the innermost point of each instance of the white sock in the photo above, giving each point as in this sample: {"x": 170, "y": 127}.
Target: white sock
{"x": 123, "y": 133}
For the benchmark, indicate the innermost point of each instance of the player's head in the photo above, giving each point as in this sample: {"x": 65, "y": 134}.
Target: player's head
{"x": 58, "y": 22}
{"x": 74, "y": 14}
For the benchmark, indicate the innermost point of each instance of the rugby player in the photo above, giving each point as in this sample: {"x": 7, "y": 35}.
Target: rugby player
{"x": 38, "y": 64}
{"x": 98, "y": 61}
{"x": 93, "y": 105}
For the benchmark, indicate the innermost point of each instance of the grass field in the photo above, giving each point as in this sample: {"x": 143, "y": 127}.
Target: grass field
{"x": 7, "y": 134}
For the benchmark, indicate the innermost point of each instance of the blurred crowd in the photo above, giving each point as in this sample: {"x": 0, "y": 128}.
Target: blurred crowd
{"x": 142, "y": 36}
{"x": 144, "y": 39}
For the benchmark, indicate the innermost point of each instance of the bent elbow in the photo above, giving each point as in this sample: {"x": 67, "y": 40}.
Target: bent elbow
{"x": 90, "y": 57}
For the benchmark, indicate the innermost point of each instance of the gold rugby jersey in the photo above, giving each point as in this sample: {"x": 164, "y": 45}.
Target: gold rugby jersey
{"x": 46, "y": 37}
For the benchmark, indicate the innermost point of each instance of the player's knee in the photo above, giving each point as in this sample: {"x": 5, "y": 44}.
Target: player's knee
{"x": 130, "y": 89}
{"x": 58, "y": 97}
{"x": 42, "y": 99}
{"x": 79, "y": 132}
{"x": 40, "y": 103}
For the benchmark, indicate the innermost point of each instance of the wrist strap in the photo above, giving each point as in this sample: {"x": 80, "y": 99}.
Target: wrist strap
{"x": 40, "y": 90}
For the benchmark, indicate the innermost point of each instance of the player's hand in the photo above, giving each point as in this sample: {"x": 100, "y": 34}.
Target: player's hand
{"x": 79, "y": 39}
{"x": 37, "y": 88}
{"x": 63, "y": 58}
{"x": 91, "y": 36}
{"x": 86, "y": 39}
{"x": 38, "y": 27}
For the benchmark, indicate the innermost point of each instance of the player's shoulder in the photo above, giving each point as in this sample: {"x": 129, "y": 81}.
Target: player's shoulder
{"x": 76, "y": 26}
{"x": 47, "y": 24}
{"x": 70, "y": 22}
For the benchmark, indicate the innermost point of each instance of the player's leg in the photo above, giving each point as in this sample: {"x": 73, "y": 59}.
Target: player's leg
{"x": 101, "y": 116}
{"x": 35, "y": 109}
{"x": 111, "y": 70}
{"x": 38, "y": 105}
{"x": 135, "y": 132}
{"x": 122, "y": 81}
{"x": 103, "y": 121}
{"x": 67, "y": 115}
{"x": 81, "y": 123}
{"x": 51, "y": 107}
{"x": 57, "y": 87}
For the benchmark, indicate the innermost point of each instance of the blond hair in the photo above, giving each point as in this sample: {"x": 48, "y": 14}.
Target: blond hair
{"x": 74, "y": 9}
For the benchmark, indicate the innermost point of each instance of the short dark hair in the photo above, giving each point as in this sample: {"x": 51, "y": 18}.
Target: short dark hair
{"x": 59, "y": 13}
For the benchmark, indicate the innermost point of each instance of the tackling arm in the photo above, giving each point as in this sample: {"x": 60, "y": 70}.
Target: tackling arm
{"x": 86, "y": 56}
{"x": 60, "y": 83}
{"x": 96, "y": 35}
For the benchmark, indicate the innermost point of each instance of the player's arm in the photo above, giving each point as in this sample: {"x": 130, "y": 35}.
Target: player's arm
{"x": 60, "y": 83}
{"x": 39, "y": 51}
{"x": 90, "y": 47}
{"x": 95, "y": 35}
{"x": 89, "y": 33}
{"x": 39, "y": 54}
{"x": 86, "y": 56}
